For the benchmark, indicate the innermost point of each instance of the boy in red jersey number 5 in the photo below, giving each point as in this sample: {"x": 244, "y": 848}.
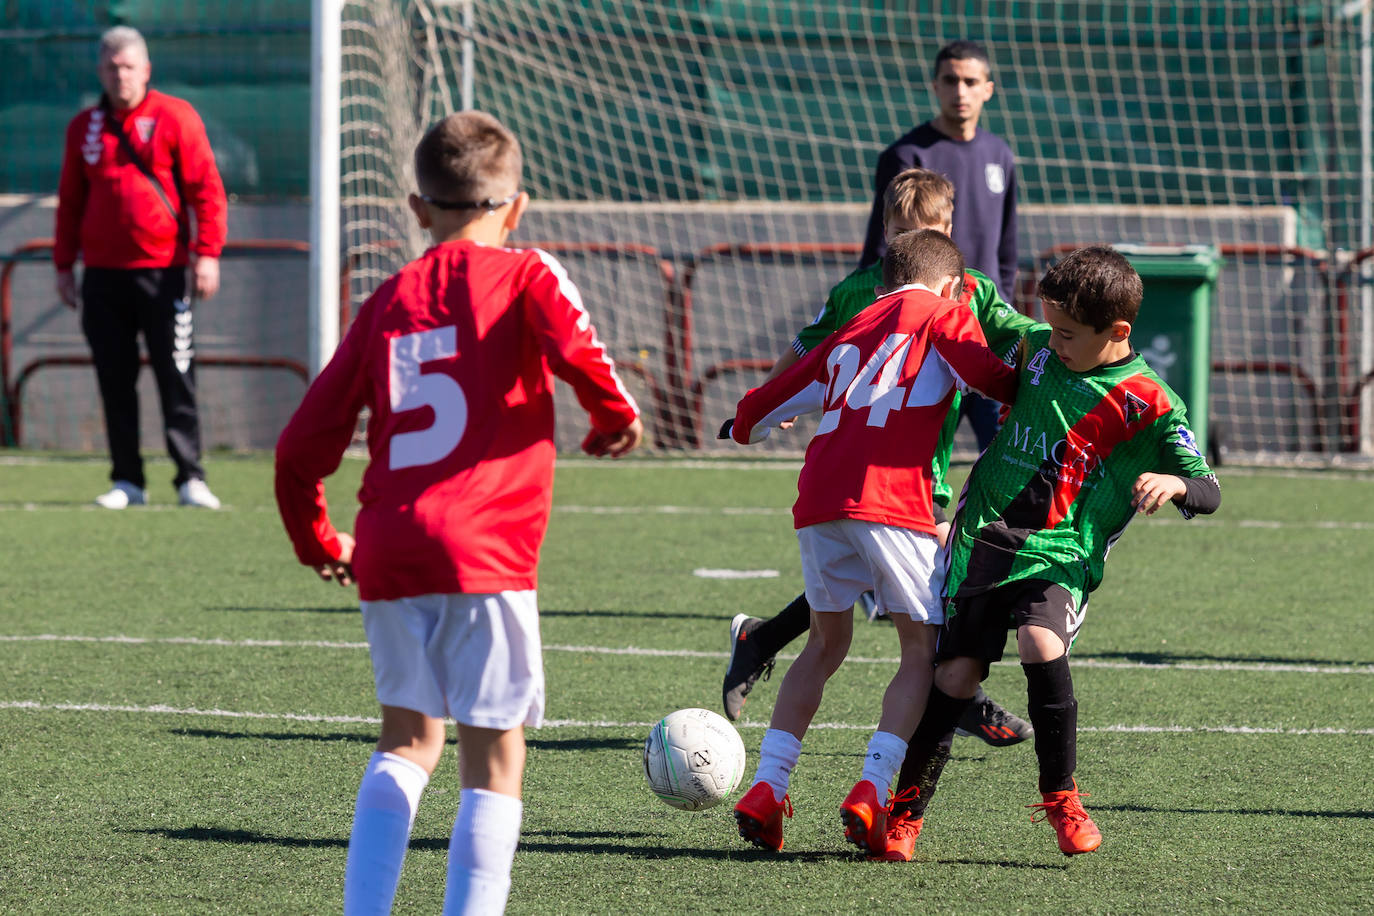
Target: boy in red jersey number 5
{"x": 454, "y": 356}
{"x": 863, "y": 512}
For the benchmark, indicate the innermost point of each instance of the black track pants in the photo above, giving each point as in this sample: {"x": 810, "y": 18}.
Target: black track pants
{"x": 116, "y": 306}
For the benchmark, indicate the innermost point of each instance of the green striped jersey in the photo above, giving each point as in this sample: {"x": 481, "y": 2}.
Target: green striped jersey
{"x": 1052, "y": 492}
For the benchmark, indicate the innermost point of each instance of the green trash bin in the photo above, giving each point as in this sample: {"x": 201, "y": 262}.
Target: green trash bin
{"x": 1174, "y": 330}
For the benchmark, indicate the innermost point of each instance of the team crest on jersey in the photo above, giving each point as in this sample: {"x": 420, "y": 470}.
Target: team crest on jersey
{"x": 1135, "y": 408}
{"x": 1184, "y": 437}
{"x": 144, "y": 126}
{"x": 996, "y": 177}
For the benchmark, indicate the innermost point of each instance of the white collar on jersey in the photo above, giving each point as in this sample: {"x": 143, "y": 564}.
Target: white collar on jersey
{"x": 908, "y": 287}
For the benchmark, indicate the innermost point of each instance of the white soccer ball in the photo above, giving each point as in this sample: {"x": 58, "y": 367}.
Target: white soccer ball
{"x": 693, "y": 759}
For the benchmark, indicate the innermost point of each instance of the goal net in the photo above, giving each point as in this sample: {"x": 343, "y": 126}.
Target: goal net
{"x": 705, "y": 173}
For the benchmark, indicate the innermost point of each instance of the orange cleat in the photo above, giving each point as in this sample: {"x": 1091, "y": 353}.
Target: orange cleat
{"x": 1077, "y": 832}
{"x": 902, "y": 832}
{"x": 865, "y": 818}
{"x": 759, "y": 816}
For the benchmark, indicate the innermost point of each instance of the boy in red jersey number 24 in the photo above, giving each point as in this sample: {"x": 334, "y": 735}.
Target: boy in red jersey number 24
{"x": 863, "y": 514}
{"x": 454, "y": 357}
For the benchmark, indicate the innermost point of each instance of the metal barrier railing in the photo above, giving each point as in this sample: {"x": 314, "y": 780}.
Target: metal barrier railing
{"x": 40, "y": 250}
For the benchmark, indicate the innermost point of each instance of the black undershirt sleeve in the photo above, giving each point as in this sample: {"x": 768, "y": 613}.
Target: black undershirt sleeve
{"x": 1202, "y": 496}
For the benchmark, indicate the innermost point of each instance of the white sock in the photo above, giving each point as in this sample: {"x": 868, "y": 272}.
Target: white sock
{"x": 884, "y": 758}
{"x": 387, "y": 800}
{"x": 778, "y": 754}
{"x": 480, "y": 853}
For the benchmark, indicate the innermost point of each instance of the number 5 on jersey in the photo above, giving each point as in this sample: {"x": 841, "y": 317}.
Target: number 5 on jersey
{"x": 409, "y": 389}
{"x": 874, "y": 386}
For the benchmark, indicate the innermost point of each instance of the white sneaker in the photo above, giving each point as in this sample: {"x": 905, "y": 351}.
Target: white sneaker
{"x": 194, "y": 492}
{"x": 122, "y": 495}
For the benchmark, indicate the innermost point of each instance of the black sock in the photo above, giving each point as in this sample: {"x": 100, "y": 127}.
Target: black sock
{"x": 928, "y": 750}
{"x": 1054, "y": 714}
{"x": 776, "y": 632}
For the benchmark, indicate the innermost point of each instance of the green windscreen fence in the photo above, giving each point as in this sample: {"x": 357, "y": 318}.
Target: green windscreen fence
{"x": 245, "y": 66}
{"x": 1128, "y": 102}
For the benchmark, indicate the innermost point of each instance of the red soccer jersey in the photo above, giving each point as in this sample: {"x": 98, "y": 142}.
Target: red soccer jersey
{"x": 454, "y": 356}
{"x": 108, "y": 210}
{"x": 884, "y": 382}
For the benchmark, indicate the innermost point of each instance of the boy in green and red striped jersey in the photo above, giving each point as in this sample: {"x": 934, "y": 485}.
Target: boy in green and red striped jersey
{"x": 1095, "y": 438}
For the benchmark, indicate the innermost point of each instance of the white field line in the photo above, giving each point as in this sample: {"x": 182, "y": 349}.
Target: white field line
{"x": 92, "y": 507}
{"x": 1358, "y": 471}
{"x": 1265, "y": 667}
{"x": 160, "y": 709}
{"x": 1179, "y": 524}
{"x": 736, "y": 511}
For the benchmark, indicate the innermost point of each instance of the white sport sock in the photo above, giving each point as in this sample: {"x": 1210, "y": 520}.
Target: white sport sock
{"x": 778, "y": 755}
{"x": 480, "y": 853}
{"x": 387, "y": 800}
{"x": 882, "y": 761}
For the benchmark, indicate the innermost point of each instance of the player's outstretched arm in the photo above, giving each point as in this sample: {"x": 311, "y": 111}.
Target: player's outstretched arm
{"x": 616, "y": 444}
{"x": 1152, "y": 491}
{"x": 959, "y": 340}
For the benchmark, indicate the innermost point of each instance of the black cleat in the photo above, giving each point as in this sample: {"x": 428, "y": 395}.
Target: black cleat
{"x": 985, "y": 719}
{"x": 745, "y": 665}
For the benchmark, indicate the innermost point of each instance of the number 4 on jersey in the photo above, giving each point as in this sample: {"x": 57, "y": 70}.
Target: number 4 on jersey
{"x": 874, "y": 386}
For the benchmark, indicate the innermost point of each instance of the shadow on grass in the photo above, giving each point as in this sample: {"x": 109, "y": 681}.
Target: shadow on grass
{"x": 584, "y": 744}
{"x": 996, "y": 863}
{"x": 1173, "y": 658}
{"x": 534, "y": 744}
{"x": 1248, "y": 812}
{"x": 602, "y": 844}
{"x": 653, "y": 849}
{"x": 253, "y": 838}
{"x": 640, "y": 615}
{"x": 342, "y": 609}
{"x": 278, "y": 736}
{"x": 605, "y": 844}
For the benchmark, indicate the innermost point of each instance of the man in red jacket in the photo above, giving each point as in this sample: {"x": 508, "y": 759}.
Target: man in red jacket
{"x": 133, "y": 167}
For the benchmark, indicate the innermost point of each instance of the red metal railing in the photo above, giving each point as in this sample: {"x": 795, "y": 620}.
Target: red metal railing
{"x": 692, "y": 382}
{"x": 39, "y": 250}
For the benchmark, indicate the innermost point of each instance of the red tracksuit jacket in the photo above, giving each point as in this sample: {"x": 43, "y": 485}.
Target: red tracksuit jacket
{"x": 108, "y": 211}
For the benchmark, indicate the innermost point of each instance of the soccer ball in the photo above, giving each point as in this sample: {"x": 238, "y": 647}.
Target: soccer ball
{"x": 693, "y": 759}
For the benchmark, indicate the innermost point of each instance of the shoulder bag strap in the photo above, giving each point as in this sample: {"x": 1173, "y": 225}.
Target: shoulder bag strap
{"x": 127, "y": 145}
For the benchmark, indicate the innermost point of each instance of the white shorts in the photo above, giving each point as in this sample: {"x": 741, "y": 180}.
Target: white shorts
{"x": 475, "y": 658}
{"x": 844, "y": 558}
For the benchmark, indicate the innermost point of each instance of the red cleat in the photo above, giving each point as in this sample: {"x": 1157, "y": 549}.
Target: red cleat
{"x": 902, "y": 831}
{"x": 1077, "y": 832}
{"x": 759, "y": 816}
{"x": 865, "y": 818}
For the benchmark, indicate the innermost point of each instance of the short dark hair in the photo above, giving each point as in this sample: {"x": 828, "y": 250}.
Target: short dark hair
{"x": 923, "y": 256}
{"x": 1095, "y": 286}
{"x": 466, "y": 158}
{"x": 963, "y": 49}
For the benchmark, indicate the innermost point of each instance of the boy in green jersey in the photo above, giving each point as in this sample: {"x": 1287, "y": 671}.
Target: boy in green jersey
{"x": 915, "y": 199}
{"x": 1095, "y": 437}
